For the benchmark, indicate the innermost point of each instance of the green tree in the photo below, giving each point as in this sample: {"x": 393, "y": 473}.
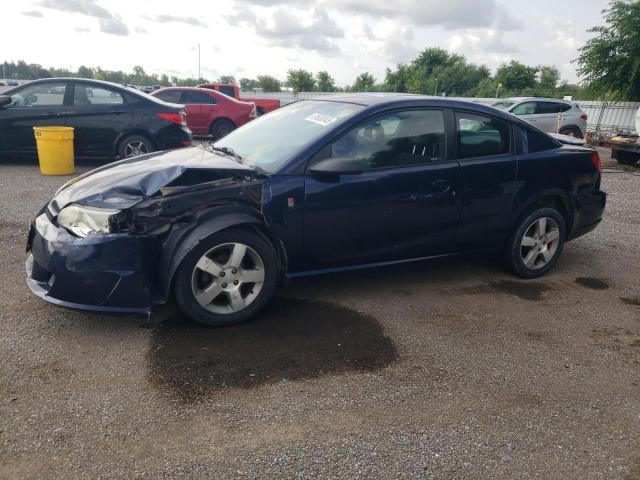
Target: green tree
{"x": 548, "y": 77}
{"x": 86, "y": 72}
{"x": 300, "y": 80}
{"x": 248, "y": 84}
{"x": 227, "y": 79}
{"x": 364, "y": 82}
{"x": 326, "y": 83}
{"x": 609, "y": 63}
{"x": 396, "y": 81}
{"x": 268, "y": 83}
{"x": 516, "y": 76}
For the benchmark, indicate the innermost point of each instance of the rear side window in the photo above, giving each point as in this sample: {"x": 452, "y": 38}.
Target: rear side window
{"x": 198, "y": 98}
{"x": 172, "y": 96}
{"x": 85, "y": 95}
{"x": 552, "y": 107}
{"x": 482, "y": 136}
{"x": 228, "y": 90}
{"x": 539, "y": 142}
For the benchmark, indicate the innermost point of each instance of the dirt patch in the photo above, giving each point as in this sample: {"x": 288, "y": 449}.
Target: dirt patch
{"x": 531, "y": 291}
{"x": 592, "y": 283}
{"x": 291, "y": 339}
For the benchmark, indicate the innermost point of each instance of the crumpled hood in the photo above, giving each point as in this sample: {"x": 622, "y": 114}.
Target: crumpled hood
{"x": 125, "y": 183}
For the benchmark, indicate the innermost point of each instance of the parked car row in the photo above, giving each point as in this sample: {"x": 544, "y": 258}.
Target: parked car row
{"x": 109, "y": 120}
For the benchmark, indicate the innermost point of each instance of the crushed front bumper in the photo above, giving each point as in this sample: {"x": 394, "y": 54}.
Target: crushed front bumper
{"x": 104, "y": 273}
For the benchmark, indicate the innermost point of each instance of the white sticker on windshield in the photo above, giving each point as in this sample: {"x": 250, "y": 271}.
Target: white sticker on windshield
{"x": 320, "y": 119}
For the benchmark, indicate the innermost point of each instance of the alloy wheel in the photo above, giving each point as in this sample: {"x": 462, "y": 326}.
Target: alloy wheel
{"x": 540, "y": 243}
{"x": 227, "y": 278}
{"x": 135, "y": 148}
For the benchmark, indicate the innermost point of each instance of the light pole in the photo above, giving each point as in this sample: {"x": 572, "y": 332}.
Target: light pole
{"x": 498, "y": 89}
{"x": 199, "y": 63}
{"x": 4, "y": 72}
{"x": 435, "y": 92}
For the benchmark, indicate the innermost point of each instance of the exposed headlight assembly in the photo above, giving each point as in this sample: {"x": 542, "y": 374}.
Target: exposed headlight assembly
{"x": 82, "y": 220}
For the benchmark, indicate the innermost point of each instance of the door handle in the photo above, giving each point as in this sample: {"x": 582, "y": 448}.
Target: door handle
{"x": 52, "y": 114}
{"x": 117, "y": 112}
{"x": 441, "y": 186}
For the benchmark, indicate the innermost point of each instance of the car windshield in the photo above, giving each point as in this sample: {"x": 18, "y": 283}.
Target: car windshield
{"x": 269, "y": 141}
{"x": 503, "y": 105}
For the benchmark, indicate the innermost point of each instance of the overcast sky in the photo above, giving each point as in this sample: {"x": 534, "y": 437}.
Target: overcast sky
{"x": 246, "y": 38}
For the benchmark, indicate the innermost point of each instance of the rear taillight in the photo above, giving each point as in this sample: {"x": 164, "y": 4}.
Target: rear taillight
{"x": 595, "y": 159}
{"x": 584, "y": 116}
{"x": 176, "y": 118}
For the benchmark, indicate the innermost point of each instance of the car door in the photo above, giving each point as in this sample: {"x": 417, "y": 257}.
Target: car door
{"x": 37, "y": 105}
{"x": 548, "y": 116}
{"x": 98, "y": 115}
{"x": 196, "y": 120}
{"x": 404, "y": 204}
{"x": 485, "y": 148}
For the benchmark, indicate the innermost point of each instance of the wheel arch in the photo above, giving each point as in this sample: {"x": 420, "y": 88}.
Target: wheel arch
{"x": 553, "y": 198}
{"x": 222, "y": 118}
{"x": 181, "y": 241}
{"x": 574, "y": 127}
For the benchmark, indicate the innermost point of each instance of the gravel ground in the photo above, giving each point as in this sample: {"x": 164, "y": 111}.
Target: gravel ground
{"x": 447, "y": 369}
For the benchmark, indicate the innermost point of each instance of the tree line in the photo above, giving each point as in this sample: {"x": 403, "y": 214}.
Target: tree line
{"x": 434, "y": 72}
{"x": 608, "y": 66}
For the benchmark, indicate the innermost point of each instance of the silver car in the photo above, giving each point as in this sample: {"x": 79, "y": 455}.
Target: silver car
{"x": 548, "y": 114}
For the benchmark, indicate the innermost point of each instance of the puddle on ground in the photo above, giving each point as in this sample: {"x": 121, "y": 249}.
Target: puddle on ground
{"x": 592, "y": 283}
{"x": 531, "y": 291}
{"x": 291, "y": 339}
{"x": 631, "y": 301}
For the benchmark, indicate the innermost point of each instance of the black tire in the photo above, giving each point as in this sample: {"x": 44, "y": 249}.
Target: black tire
{"x": 127, "y": 146}
{"x": 221, "y": 127}
{"x": 259, "y": 111}
{"x": 184, "y": 294}
{"x": 571, "y": 131}
{"x": 515, "y": 250}
{"x": 627, "y": 158}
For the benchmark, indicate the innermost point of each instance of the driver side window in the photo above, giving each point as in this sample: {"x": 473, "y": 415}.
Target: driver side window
{"x": 42, "y": 95}
{"x": 411, "y": 137}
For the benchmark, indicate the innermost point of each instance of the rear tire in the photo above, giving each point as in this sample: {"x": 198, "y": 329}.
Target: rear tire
{"x": 221, "y": 128}
{"x": 227, "y": 278}
{"x": 537, "y": 243}
{"x": 571, "y": 131}
{"x": 134, "y": 145}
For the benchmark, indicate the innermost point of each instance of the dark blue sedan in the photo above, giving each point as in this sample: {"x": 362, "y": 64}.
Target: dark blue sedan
{"x": 343, "y": 182}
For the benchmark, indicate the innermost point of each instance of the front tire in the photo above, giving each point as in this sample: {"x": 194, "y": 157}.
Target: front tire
{"x": 226, "y": 278}
{"x": 537, "y": 243}
{"x": 571, "y": 132}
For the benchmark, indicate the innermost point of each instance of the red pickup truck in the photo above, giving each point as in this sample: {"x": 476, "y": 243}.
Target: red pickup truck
{"x": 263, "y": 105}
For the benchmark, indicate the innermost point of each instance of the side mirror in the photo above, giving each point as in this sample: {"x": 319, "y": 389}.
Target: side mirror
{"x": 4, "y": 100}
{"x": 338, "y": 166}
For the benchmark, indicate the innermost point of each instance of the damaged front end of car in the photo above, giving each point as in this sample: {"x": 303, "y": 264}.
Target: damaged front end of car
{"x": 111, "y": 240}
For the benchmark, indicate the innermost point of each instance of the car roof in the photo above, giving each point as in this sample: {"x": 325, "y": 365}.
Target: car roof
{"x": 537, "y": 99}
{"x": 388, "y": 99}
{"x": 207, "y": 91}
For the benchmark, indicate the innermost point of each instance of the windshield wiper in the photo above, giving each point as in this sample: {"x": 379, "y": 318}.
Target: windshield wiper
{"x": 232, "y": 153}
{"x": 227, "y": 151}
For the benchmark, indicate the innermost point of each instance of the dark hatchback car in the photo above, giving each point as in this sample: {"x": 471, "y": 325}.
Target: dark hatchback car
{"x": 109, "y": 120}
{"x": 319, "y": 186}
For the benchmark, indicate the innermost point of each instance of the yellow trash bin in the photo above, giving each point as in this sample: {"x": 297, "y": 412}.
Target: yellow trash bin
{"x": 55, "y": 150}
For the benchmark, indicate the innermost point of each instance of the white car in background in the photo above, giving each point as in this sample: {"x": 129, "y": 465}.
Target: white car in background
{"x": 548, "y": 114}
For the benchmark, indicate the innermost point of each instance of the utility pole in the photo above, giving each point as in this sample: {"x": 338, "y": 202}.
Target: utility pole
{"x": 498, "y": 89}
{"x": 435, "y": 93}
{"x": 199, "y": 76}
